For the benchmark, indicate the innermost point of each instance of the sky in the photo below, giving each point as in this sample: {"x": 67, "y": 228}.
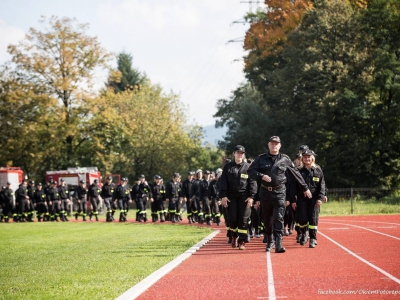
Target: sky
{"x": 182, "y": 45}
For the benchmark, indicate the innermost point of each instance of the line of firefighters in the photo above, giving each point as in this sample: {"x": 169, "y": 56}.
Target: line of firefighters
{"x": 200, "y": 192}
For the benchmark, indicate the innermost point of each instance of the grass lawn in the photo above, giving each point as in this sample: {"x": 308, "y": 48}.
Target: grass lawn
{"x": 85, "y": 260}
{"x": 360, "y": 207}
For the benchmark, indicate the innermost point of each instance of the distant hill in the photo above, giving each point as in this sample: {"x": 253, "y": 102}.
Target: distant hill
{"x": 212, "y": 134}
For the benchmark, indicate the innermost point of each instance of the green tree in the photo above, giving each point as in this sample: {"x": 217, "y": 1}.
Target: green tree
{"x": 127, "y": 76}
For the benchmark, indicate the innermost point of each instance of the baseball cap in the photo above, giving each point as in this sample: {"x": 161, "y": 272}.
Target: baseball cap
{"x": 308, "y": 152}
{"x": 39, "y": 184}
{"x": 81, "y": 181}
{"x": 207, "y": 172}
{"x": 191, "y": 173}
{"x": 157, "y": 177}
{"x": 109, "y": 178}
{"x": 141, "y": 176}
{"x": 198, "y": 171}
{"x": 219, "y": 170}
{"x": 275, "y": 138}
{"x": 8, "y": 183}
{"x": 303, "y": 147}
{"x": 240, "y": 148}
{"x": 177, "y": 175}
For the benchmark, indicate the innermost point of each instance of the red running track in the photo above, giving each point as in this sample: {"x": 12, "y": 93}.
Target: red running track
{"x": 356, "y": 258}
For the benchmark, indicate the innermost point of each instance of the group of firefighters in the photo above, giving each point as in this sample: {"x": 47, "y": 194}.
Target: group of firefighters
{"x": 269, "y": 196}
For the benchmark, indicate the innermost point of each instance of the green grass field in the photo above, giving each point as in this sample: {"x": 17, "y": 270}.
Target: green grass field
{"x": 85, "y": 260}
{"x": 360, "y": 207}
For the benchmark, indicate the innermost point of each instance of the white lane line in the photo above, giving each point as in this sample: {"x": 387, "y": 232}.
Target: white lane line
{"x": 391, "y": 236}
{"x": 350, "y": 220}
{"x": 271, "y": 286}
{"x": 338, "y": 228}
{"x": 397, "y": 280}
{"x": 143, "y": 285}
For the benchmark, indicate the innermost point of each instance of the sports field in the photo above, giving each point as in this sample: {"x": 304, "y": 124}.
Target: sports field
{"x": 91, "y": 260}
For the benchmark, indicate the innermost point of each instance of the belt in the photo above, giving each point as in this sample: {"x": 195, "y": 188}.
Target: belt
{"x": 271, "y": 188}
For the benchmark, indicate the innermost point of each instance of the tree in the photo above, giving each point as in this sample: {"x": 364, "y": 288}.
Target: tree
{"x": 60, "y": 62}
{"x": 127, "y": 77}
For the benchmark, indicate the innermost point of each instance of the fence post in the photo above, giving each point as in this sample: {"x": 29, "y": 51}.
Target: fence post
{"x": 351, "y": 199}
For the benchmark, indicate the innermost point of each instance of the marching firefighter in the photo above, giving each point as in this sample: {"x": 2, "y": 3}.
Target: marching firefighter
{"x": 53, "y": 197}
{"x": 81, "y": 193}
{"x": 2, "y": 200}
{"x": 157, "y": 202}
{"x": 39, "y": 199}
{"x": 195, "y": 196}
{"x": 186, "y": 188}
{"x": 143, "y": 193}
{"x": 123, "y": 197}
{"x": 94, "y": 194}
{"x": 64, "y": 200}
{"x": 22, "y": 201}
{"x": 8, "y": 202}
{"x": 107, "y": 192}
{"x": 213, "y": 195}
{"x": 272, "y": 169}
{"x": 237, "y": 192}
{"x": 172, "y": 194}
{"x": 30, "y": 207}
{"x": 308, "y": 209}
{"x": 204, "y": 197}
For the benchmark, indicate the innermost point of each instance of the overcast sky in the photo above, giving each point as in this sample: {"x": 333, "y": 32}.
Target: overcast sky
{"x": 180, "y": 44}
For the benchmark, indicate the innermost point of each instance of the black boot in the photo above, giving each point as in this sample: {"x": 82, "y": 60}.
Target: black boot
{"x": 97, "y": 217}
{"x": 76, "y": 216}
{"x": 144, "y": 217}
{"x": 278, "y": 245}
{"x": 190, "y": 219}
{"x": 270, "y": 243}
{"x": 137, "y": 216}
{"x": 65, "y": 218}
{"x": 90, "y": 216}
{"x": 121, "y": 217}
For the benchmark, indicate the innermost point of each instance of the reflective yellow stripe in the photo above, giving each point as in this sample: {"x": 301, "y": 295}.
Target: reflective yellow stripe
{"x": 234, "y": 230}
{"x": 312, "y": 227}
{"x": 242, "y": 231}
{"x": 302, "y": 226}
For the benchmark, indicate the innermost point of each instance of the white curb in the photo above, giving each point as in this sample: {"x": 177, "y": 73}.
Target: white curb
{"x": 142, "y": 286}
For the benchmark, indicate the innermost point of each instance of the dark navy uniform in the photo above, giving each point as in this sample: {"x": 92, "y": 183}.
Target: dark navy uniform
{"x": 197, "y": 205}
{"x": 205, "y": 199}
{"x": 237, "y": 186}
{"x": 172, "y": 193}
{"x": 80, "y": 194}
{"x": 213, "y": 195}
{"x": 186, "y": 188}
{"x": 54, "y": 200}
{"x": 273, "y": 194}
{"x": 123, "y": 197}
{"x": 157, "y": 206}
{"x": 94, "y": 193}
{"x": 8, "y": 204}
{"x": 64, "y": 197}
{"x": 39, "y": 199}
{"x": 107, "y": 192}
{"x": 30, "y": 207}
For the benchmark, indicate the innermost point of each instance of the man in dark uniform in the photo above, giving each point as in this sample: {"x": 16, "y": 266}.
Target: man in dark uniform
{"x": 272, "y": 169}
{"x": 157, "y": 201}
{"x": 143, "y": 193}
{"x": 22, "y": 199}
{"x": 2, "y": 200}
{"x": 81, "y": 193}
{"x": 94, "y": 193}
{"x": 9, "y": 203}
{"x": 123, "y": 197}
{"x": 186, "y": 188}
{"x": 172, "y": 195}
{"x": 54, "y": 201}
{"x": 204, "y": 197}
{"x": 49, "y": 213}
{"x": 107, "y": 192}
{"x": 30, "y": 207}
{"x": 64, "y": 198}
{"x": 213, "y": 195}
{"x": 195, "y": 196}
{"x": 39, "y": 199}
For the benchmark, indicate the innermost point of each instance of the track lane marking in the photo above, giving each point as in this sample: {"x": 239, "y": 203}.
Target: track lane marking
{"x": 397, "y": 224}
{"x": 391, "y": 236}
{"x": 395, "y": 279}
{"x": 271, "y": 286}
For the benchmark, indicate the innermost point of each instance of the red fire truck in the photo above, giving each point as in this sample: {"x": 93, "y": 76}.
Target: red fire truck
{"x": 13, "y": 175}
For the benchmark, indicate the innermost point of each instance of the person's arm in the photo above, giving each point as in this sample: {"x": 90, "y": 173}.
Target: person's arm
{"x": 297, "y": 178}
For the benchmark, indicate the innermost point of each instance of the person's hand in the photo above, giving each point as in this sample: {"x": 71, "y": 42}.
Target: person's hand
{"x": 151, "y": 200}
{"x": 325, "y": 199}
{"x": 318, "y": 203}
{"x": 249, "y": 202}
{"x": 287, "y": 203}
{"x": 225, "y": 201}
{"x": 308, "y": 194}
{"x": 266, "y": 178}
{"x": 294, "y": 206}
{"x": 130, "y": 201}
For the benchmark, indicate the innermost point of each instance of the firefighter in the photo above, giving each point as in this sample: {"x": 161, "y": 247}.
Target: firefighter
{"x": 81, "y": 193}
{"x": 39, "y": 202}
{"x": 186, "y": 187}
{"x": 94, "y": 194}
{"x": 272, "y": 170}
{"x": 9, "y": 204}
{"x": 54, "y": 201}
{"x": 123, "y": 197}
{"x": 195, "y": 196}
{"x": 213, "y": 195}
{"x": 179, "y": 204}
{"x": 237, "y": 192}
{"x": 172, "y": 195}
{"x": 107, "y": 192}
{"x": 30, "y": 207}
{"x": 64, "y": 200}
{"x": 143, "y": 193}
{"x": 2, "y": 201}
{"x": 308, "y": 209}
{"x": 22, "y": 201}
{"x": 47, "y": 215}
{"x": 133, "y": 193}
{"x": 157, "y": 201}
{"x": 204, "y": 196}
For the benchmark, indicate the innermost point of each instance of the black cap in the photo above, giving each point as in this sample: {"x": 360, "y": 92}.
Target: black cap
{"x": 303, "y": 148}
{"x": 298, "y": 155}
{"x": 308, "y": 152}
{"x": 62, "y": 180}
{"x": 81, "y": 181}
{"x": 124, "y": 179}
{"x": 207, "y": 172}
{"x": 275, "y": 138}
{"x": 39, "y": 184}
{"x": 177, "y": 175}
{"x": 8, "y": 183}
{"x": 240, "y": 148}
{"x": 53, "y": 182}
{"x": 32, "y": 182}
{"x": 191, "y": 173}
{"x": 95, "y": 180}
{"x": 157, "y": 177}
{"x": 109, "y": 178}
